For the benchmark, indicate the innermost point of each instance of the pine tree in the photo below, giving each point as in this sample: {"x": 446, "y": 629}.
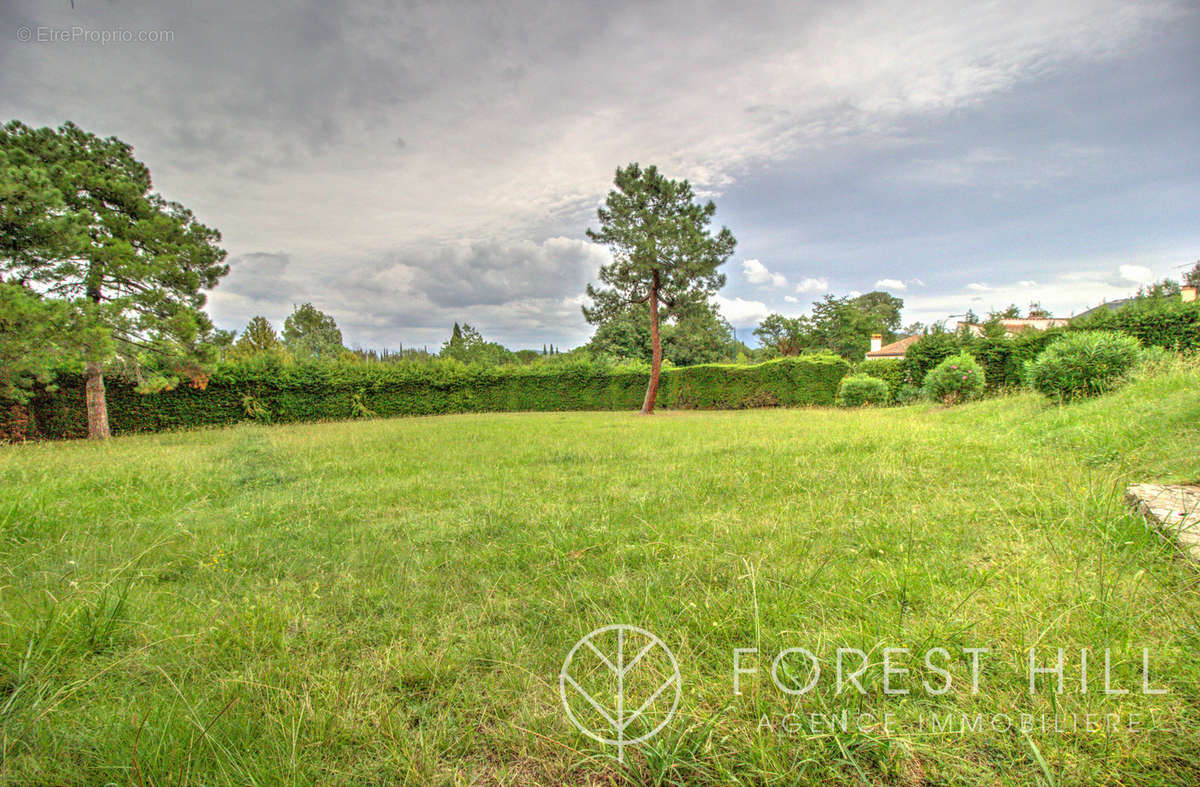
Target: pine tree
{"x": 259, "y": 337}
{"x": 663, "y": 254}
{"x": 134, "y": 263}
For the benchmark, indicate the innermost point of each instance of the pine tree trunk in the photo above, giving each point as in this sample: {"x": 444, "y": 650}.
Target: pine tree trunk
{"x": 656, "y": 351}
{"x": 97, "y": 405}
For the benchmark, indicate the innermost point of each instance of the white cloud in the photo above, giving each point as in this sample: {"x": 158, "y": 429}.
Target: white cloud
{"x": 890, "y": 284}
{"x": 290, "y": 143}
{"x": 978, "y": 286}
{"x": 740, "y": 311}
{"x": 757, "y": 273}
{"x": 519, "y": 291}
{"x": 813, "y": 285}
{"x": 1087, "y": 283}
{"x": 1138, "y": 274}
{"x": 791, "y": 299}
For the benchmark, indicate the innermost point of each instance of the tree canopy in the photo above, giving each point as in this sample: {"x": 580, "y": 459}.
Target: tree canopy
{"x": 1010, "y": 312}
{"x": 82, "y": 226}
{"x": 258, "y": 337}
{"x": 785, "y": 335}
{"x": 38, "y": 336}
{"x": 842, "y": 325}
{"x": 664, "y": 254}
{"x": 698, "y": 334}
{"x": 309, "y": 332}
{"x": 467, "y": 345}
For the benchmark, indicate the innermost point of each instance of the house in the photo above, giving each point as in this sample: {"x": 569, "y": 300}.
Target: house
{"x": 893, "y": 350}
{"x": 1014, "y": 326}
{"x": 1011, "y": 328}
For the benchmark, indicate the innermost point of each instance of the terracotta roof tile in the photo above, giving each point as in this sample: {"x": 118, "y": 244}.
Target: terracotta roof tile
{"x": 895, "y": 349}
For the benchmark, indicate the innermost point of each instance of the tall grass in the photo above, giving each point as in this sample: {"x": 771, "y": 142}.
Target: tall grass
{"x": 390, "y": 601}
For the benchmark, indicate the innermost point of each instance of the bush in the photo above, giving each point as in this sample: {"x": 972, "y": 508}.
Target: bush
{"x": 1004, "y": 358}
{"x": 1086, "y": 363}
{"x": 859, "y": 390}
{"x": 956, "y": 379}
{"x": 907, "y": 393}
{"x": 1156, "y": 360}
{"x": 890, "y": 370}
{"x": 1155, "y": 322}
{"x": 926, "y": 353}
{"x": 329, "y": 390}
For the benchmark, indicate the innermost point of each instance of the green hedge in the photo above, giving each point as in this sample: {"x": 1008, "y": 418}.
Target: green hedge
{"x": 1004, "y": 358}
{"x": 787, "y": 382}
{"x": 313, "y": 392}
{"x": 862, "y": 390}
{"x": 890, "y": 370}
{"x": 1167, "y": 323}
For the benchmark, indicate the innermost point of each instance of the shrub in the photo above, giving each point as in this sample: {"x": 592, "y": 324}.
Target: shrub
{"x": 926, "y": 353}
{"x": 1086, "y": 363}
{"x": 1155, "y": 322}
{"x": 859, "y": 390}
{"x": 890, "y": 370}
{"x": 1004, "y": 358}
{"x": 907, "y": 393}
{"x": 956, "y": 379}
{"x": 330, "y": 390}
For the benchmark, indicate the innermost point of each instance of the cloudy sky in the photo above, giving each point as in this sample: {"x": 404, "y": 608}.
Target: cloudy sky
{"x": 406, "y": 165}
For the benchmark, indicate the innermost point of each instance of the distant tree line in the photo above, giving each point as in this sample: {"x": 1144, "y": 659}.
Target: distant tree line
{"x": 839, "y": 325}
{"x": 100, "y": 273}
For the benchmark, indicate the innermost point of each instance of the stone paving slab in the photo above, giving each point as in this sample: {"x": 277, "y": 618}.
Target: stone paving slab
{"x": 1173, "y": 510}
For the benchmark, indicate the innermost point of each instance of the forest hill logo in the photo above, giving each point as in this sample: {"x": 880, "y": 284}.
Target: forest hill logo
{"x": 620, "y": 685}
{"x": 797, "y": 671}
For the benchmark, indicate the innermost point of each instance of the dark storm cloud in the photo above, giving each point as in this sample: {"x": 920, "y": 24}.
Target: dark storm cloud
{"x": 520, "y": 290}
{"x": 403, "y": 163}
{"x": 490, "y": 273}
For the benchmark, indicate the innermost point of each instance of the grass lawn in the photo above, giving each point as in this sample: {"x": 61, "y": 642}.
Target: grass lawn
{"x": 391, "y": 601}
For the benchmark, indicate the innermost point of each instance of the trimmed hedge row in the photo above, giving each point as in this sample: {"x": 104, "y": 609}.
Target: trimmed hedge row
{"x": 1004, "y": 359}
{"x": 1169, "y": 323}
{"x": 313, "y": 392}
{"x": 890, "y": 370}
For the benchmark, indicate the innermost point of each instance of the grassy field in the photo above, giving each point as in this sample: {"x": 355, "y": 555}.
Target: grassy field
{"x": 388, "y": 602}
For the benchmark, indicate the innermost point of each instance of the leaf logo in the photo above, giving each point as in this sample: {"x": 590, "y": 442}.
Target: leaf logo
{"x": 615, "y": 685}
